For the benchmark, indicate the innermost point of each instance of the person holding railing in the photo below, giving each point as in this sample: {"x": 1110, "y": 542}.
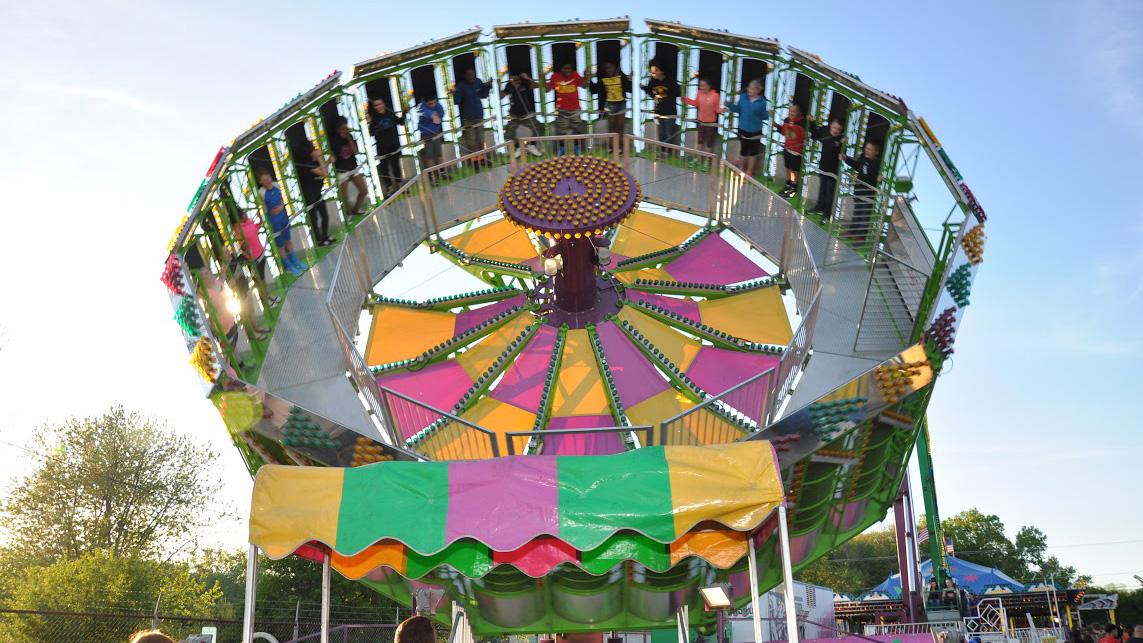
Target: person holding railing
{"x": 753, "y": 110}
{"x": 709, "y": 104}
{"x": 793, "y": 130}
{"x": 566, "y": 83}
{"x": 345, "y": 163}
{"x": 613, "y": 85}
{"x": 312, "y": 171}
{"x": 520, "y": 91}
{"x": 383, "y": 124}
{"x": 832, "y": 142}
{"x": 430, "y": 124}
{"x": 664, "y": 92}
{"x": 868, "y": 167}
{"x": 469, "y": 95}
{"x": 279, "y": 221}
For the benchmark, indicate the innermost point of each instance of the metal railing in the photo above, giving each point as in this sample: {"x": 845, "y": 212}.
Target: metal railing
{"x": 352, "y": 634}
{"x": 889, "y": 629}
{"x": 518, "y": 440}
{"x": 892, "y": 299}
{"x": 711, "y": 421}
{"x": 417, "y": 211}
{"x": 434, "y": 433}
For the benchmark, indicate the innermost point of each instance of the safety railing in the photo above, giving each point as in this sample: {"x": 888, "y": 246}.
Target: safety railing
{"x": 357, "y": 633}
{"x": 716, "y": 419}
{"x": 598, "y": 441}
{"x": 601, "y": 145}
{"x": 892, "y": 299}
{"x": 934, "y": 627}
{"x": 417, "y": 210}
{"x": 434, "y": 433}
{"x": 673, "y": 176}
{"x": 1038, "y": 634}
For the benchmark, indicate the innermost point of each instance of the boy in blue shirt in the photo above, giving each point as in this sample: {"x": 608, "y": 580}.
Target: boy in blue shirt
{"x": 279, "y": 221}
{"x": 430, "y": 119}
{"x": 469, "y": 95}
{"x": 753, "y": 110}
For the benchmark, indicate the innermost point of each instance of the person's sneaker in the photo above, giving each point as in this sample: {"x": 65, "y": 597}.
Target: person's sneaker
{"x": 533, "y": 150}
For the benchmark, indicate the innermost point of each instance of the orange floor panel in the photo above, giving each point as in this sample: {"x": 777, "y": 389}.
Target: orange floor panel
{"x": 677, "y": 347}
{"x": 402, "y": 333}
{"x": 644, "y": 232}
{"x": 756, "y": 315}
{"x": 579, "y": 386}
{"x": 499, "y": 240}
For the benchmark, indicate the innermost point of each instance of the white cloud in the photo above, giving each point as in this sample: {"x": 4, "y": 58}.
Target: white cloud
{"x": 118, "y": 98}
{"x": 1109, "y": 30}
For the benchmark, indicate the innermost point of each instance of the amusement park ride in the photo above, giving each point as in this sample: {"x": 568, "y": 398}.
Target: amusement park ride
{"x": 549, "y": 312}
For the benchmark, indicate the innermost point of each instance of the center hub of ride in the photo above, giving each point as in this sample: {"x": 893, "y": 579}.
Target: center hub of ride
{"x": 571, "y": 202}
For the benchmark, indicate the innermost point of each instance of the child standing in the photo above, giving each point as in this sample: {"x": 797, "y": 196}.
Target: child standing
{"x": 793, "y": 128}
{"x": 345, "y": 162}
{"x": 279, "y": 221}
{"x": 753, "y": 110}
{"x": 614, "y": 85}
{"x": 566, "y": 83}
{"x": 868, "y": 167}
{"x": 469, "y": 95}
{"x": 383, "y": 124}
{"x": 708, "y": 102}
{"x": 665, "y": 92}
{"x": 832, "y": 143}
{"x": 430, "y": 119}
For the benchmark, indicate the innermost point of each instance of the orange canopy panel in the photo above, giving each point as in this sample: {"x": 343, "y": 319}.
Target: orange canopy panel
{"x": 499, "y": 240}
{"x": 403, "y": 333}
{"x": 644, "y": 232}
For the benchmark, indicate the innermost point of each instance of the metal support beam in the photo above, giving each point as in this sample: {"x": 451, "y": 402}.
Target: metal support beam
{"x": 752, "y": 566}
{"x": 788, "y": 576}
{"x": 326, "y": 581}
{"x": 251, "y": 594}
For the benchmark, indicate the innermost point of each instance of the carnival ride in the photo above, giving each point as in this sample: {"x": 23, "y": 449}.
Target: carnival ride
{"x": 582, "y": 295}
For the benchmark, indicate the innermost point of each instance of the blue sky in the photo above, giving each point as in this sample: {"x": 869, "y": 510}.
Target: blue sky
{"x": 114, "y": 109}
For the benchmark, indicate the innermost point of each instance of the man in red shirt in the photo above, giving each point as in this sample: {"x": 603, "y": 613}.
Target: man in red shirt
{"x": 566, "y": 83}
{"x": 794, "y": 129}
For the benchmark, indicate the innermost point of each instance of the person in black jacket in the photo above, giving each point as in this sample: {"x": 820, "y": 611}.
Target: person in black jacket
{"x": 832, "y": 142}
{"x": 868, "y": 167}
{"x": 665, "y": 92}
{"x": 383, "y": 124}
{"x": 312, "y": 172}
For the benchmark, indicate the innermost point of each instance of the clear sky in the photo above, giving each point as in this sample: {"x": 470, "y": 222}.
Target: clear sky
{"x": 112, "y": 111}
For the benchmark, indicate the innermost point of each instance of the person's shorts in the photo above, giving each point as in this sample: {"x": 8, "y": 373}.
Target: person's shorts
{"x": 749, "y": 143}
{"x": 345, "y": 175}
{"x": 707, "y": 133}
{"x": 793, "y": 161}
{"x": 280, "y": 224}
{"x": 433, "y": 148}
{"x": 618, "y": 108}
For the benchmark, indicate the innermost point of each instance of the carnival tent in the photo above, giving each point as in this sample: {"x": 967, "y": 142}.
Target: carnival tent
{"x": 977, "y": 579}
{"x": 678, "y": 515}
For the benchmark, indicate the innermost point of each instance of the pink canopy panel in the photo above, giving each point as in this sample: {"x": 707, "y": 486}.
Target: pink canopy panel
{"x": 714, "y": 261}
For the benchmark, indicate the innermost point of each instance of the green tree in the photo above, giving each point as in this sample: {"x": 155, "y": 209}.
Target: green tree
{"x": 98, "y": 582}
{"x": 119, "y": 483}
{"x": 861, "y": 563}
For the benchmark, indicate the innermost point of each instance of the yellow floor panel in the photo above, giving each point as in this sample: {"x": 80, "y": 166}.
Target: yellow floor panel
{"x": 501, "y": 418}
{"x": 456, "y": 441}
{"x": 401, "y": 333}
{"x": 757, "y": 315}
{"x": 678, "y": 348}
{"x": 701, "y": 427}
{"x": 478, "y": 358}
{"x": 579, "y": 386}
{"x": 629, "y": 276}
{"x": 499, "y": 240}
{"x": 644, "y": 232}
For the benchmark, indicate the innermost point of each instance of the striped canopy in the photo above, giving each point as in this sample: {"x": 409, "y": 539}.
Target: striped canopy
{"x": 656, "y": 506}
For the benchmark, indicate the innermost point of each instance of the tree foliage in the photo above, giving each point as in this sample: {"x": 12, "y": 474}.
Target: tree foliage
{"x": 981, "y": 538}
{"x": 119, "y": 483}
{"x": 859, "y": 564}
{"x": 102, "y": 583}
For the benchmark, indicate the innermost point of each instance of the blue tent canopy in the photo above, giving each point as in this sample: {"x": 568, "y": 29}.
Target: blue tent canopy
{"x": 975, "y": 578}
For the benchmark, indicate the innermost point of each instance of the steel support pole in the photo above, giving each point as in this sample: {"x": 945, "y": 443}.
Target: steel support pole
{"x": 787, "y": 576}
{"x": 326, "y": 581}
{"x": 251, "y": 593}
{"x": 752, "y": 566}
